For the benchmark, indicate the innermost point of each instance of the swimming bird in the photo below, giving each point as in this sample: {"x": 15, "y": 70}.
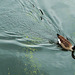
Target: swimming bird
{"x": 66, "y": 44}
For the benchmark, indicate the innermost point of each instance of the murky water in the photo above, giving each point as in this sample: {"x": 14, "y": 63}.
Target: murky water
{"x": 28, "y": 38}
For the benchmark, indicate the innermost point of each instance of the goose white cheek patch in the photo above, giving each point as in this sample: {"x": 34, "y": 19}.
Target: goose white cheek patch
{"x": 59, "y": 41}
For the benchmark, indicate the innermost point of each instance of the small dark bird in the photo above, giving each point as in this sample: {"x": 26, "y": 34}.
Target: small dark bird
{"x": 66, "y": 44}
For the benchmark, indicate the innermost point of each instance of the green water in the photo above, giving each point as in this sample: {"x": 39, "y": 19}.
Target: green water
{"x": 26, "y": 27}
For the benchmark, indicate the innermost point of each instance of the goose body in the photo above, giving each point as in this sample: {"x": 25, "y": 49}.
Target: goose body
{"x": 64, "y": 43}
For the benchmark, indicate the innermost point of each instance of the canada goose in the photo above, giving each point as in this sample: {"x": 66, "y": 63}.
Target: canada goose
{"x": 66, "y": 44}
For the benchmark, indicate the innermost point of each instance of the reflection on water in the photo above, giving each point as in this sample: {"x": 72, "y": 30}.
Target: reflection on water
{"x": 28, "y": 38}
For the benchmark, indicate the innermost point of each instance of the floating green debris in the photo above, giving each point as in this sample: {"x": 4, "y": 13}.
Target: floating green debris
{"x": 26, "y": 36}
{"x": 37, "y": 38}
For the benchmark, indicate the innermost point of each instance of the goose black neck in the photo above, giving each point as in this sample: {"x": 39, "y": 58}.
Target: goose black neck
{"x": 73, "y": 55}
